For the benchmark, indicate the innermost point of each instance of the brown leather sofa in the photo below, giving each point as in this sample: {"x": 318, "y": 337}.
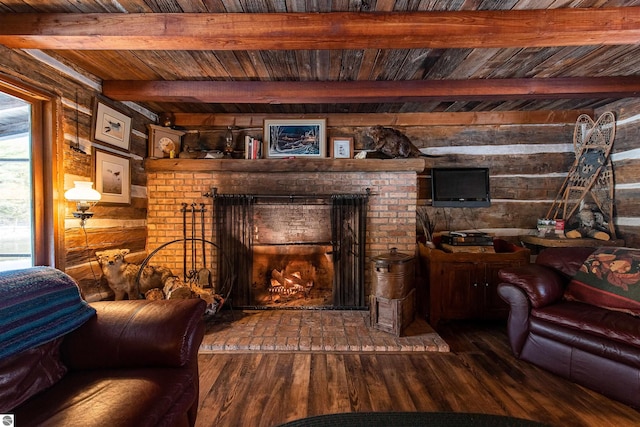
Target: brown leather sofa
{"x": 133, "y": 363}
{"x": 592, "y": 346}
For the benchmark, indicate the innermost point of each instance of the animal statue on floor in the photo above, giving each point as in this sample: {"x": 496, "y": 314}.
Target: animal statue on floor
{"x": 393, "y": 143}
{"x": 121, "y": 275}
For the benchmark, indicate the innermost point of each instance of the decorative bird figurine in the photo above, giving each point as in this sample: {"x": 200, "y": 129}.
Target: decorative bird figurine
{"x": 393, "y": 143}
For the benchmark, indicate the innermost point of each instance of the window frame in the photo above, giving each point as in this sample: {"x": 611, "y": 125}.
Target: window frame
{"x": 46, "y": 171}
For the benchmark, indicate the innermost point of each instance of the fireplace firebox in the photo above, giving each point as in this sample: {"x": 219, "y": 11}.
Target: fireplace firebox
{"x": 293, "y": 251}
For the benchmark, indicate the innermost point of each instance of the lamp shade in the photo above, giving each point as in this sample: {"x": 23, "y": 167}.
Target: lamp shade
{"x": 82, "y": 192}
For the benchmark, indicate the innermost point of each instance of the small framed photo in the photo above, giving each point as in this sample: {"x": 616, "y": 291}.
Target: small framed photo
{"x": 295, "y": 138}
{"x": 111, "y": 126}
{"x": 341, "y": 147}
{"x": 112, "y": 175}
{"x": 164, "y": 142}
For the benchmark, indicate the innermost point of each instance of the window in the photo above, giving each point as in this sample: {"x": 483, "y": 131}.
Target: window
{"x": 29, "y": 152}
{"x": 16, "y": 207}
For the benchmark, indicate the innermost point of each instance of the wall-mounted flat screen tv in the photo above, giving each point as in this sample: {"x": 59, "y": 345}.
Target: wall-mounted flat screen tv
{"x": 460, "y": 187}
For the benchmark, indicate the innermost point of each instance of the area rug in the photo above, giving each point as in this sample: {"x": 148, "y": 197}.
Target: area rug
{"x": 411, "y": 419}
{"x": 313, "y": 330}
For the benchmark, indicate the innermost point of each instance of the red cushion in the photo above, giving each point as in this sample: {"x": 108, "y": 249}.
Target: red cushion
{"x": 609, "y": 278}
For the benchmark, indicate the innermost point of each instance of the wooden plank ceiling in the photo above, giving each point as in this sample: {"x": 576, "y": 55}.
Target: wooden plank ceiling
{"x": 341, "y": 56}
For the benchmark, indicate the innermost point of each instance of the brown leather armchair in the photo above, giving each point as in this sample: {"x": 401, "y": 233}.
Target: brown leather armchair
{"x": 132, "y": 364}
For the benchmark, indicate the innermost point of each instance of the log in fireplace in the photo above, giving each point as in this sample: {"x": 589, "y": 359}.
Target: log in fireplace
{"x": 303, "y": 251}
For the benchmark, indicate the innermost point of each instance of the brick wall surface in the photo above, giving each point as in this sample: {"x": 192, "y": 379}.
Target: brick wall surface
{"x": 391, "y": 212}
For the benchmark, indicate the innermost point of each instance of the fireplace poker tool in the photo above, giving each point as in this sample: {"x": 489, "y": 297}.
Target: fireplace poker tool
{"x": 193, "y": 273}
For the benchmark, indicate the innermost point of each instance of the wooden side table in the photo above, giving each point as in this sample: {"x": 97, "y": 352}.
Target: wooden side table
{"x": 557, "y": 242}
{"x": 463, "y": 285}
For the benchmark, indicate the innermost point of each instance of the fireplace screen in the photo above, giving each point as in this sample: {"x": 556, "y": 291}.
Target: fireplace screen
{"x": 293, "y": 251}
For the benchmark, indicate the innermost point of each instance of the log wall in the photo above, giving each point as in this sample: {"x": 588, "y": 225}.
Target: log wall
{"x": 112, "y": 226}
{"x": 626, "y": 168}
{"x": 528, "y": 160}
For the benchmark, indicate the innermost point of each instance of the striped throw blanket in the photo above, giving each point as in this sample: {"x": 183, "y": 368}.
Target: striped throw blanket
{"x": 37, "y": 305}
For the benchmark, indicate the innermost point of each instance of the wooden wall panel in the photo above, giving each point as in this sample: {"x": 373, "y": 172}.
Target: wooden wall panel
{"x": 118, "y": 230}
{"x": 628, "y": 202}
{"x": 626, "y": 166}
{"x": 79, "y": 250}
{"x": 524, "y": 182}
{"x": 627, "y": 171}
{"x": 630, "y": 235}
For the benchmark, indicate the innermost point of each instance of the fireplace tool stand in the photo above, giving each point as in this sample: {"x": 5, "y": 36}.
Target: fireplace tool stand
{"x": 194, "y": 249}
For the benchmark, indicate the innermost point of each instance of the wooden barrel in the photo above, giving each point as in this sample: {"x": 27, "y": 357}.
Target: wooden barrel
{"x": 393, "y": 274}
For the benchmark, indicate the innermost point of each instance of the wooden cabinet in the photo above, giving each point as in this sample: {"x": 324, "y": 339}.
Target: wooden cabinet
{"x": 463, "y": 285}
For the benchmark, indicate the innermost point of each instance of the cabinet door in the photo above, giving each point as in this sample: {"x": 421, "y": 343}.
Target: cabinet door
{"x": 494, "y": 306}
{"x": 459, "y": 299}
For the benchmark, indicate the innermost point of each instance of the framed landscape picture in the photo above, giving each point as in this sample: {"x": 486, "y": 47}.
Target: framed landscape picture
{"x": 295, "y": 138}
{"x": 111, "y": 126}
{"x": 112, "y": 175}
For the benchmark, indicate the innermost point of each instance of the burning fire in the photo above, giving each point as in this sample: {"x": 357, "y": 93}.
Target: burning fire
{"x": 289, "y": 284}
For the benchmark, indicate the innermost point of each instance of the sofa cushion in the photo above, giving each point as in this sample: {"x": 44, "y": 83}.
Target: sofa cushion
{"x": 595, "y": 321}
{"x": 609, "y": 278}
{"x": 27, "y": 373}
{"x": 127, "y": 397}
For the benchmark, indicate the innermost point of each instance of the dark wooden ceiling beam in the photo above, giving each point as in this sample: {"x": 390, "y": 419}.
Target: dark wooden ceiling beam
{"x": 314, "y": 92}
{"x": 476, "y": 118}
{"x": 311, "y": 31}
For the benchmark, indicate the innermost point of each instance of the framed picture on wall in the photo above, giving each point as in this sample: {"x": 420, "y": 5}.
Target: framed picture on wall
{"x": 112, "y": 177}
{"x": 111, "y": 126}
{"x": 341, "y": 147}
{"x": 295, "y": 138}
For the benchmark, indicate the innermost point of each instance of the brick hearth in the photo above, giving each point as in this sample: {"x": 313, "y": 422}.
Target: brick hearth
{"x": 312, "y": 330}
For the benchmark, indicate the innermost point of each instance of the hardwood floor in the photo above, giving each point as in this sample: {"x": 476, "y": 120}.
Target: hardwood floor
{"x": 478, "y": 375}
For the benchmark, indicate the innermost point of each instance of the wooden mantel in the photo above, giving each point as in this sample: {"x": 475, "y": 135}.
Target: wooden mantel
{"x": 285, "y": 165}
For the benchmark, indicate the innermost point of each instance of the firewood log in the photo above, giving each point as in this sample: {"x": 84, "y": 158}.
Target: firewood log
{"x": 204, "y": 294}
{"x": 174, "y": 288}
{"x": 154, "y": 294}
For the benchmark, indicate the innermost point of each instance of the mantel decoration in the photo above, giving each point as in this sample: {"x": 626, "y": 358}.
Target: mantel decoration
{"x": 112, "y": 175}
{"x": 295, "y": 138}
{"x": 164, "y": 142}
{"x": 341, "y": 147}
{"x": 111, "y": 126}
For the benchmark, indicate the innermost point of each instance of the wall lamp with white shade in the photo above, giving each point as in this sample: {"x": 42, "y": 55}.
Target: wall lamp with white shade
{"x": 85, "y": 197}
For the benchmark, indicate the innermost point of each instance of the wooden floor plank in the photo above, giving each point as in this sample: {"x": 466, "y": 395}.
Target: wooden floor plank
{"x": 329, "y": 389}
{"x": 377, "y": 389}
{"x": 358, "y": 387}
{"x": 479, "y": 375}
{"x": 393, "y": 376}
{"x": 300, "y": 387}
{"x": 270, "y": 390}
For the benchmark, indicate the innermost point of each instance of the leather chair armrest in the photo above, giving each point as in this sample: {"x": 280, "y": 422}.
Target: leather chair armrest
{"x": 518, "y": 323}
{"x": 140, "y": 333}
{"x": 541, "y": 284}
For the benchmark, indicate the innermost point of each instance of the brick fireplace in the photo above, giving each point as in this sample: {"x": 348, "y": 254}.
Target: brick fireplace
{"x": 305, "y": 229}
